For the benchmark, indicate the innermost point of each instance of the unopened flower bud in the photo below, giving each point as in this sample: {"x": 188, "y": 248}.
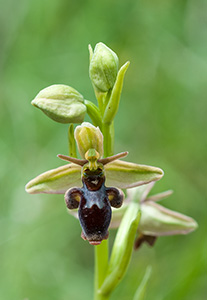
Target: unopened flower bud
{"x": 103, "y": 68}
{"x": 61, "y": 103}
{"x": 88, "y": 137}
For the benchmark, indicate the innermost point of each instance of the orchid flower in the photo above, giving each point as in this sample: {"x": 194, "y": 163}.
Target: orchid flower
{"x": 155, "y": 220}
{"x": 83, "y": 182}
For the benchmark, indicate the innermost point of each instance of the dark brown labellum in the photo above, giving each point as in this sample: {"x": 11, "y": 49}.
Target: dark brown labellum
{"x": 94, "y": 203}
{"x": 94, "y": 214}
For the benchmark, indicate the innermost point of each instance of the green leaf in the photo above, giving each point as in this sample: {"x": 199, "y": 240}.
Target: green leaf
{"x": 125, "y": 175}
{"x": 113, "y": 103}
{"x": 141, "y": 291}
{"x": 56, "y": 181}
{"x": 122, "y": 249}
{"x": 61, "y": 103}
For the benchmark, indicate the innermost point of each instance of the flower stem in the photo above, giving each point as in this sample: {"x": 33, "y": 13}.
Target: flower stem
{"x": 101, "y": 251}
{"x": 108, "y": 133}
{"x": 101, "y": 265}
{"x": 71, "y": 141}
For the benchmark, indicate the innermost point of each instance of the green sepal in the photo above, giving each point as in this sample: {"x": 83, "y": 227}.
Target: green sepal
{"x": 159, "y": 221}
{"x": 122, "y": 174}
{"x": 56, "y": 181}
{"x": 122, "y": 249}
{"x": 119, "y": 174}
{"x": 61, "y": 103}
{"x": 113, "y": 103}
{"x": 156, "y": 220}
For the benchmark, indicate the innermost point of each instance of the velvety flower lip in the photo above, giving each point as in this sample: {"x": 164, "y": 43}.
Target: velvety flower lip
{"x": 92, "y": 184}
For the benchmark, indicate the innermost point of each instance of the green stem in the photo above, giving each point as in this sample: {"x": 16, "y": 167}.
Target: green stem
{"x": 108, "y": 133}
{"x": 71, "y": 141}
{"x": 100, "y": 98}
{"x": 94, "y": 113}
{"x": 101, "y": 251}
{"x": 106, "y": 100}
{"x": 101, "y": 265}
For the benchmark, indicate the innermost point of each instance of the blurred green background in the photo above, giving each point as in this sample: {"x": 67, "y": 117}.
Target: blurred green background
{"x": 161, "y": 121}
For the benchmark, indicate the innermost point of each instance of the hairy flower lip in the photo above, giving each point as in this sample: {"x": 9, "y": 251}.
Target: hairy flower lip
{"x": 95, "y": 243}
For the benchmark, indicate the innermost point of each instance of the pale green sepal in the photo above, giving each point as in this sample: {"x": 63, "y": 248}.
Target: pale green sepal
{"x": 61, "y": 103}
{"x": 103, "y": 67}
{"x": 125, "y": 175}
{"x": 88, "y": 137}
{"x": 113, "y": 103}
{"x": 122, "y": 249}
{"x": 93, "y": 113}
{"x": 56, "y": 181}
{"x": 139, "y": 193}
{"x": 141, "y": 291}
{"x": 157, "y": 220}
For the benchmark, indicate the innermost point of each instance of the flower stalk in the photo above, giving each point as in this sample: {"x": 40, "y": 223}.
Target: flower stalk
{"x": 101, "y": 266}
{"x": 71, "y": 141}
{"x": 101, "y": 251}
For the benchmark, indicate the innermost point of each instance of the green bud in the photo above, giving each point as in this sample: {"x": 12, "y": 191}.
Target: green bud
{"x": 88, "y": 137}
{"x": 61, "y": 103}
{"x": 103, "y": 67}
